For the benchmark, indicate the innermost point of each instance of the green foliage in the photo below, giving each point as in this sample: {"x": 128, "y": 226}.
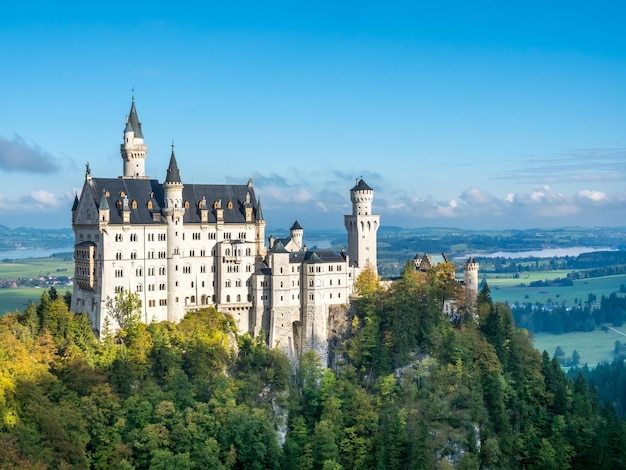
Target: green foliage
{"x": 416, "y": 393}
{"x": 124, "y": 309}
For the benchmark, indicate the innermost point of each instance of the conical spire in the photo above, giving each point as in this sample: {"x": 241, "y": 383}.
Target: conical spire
{"x": 75, "y": 205}
{"x": 133, "y": 120}
{"x": 296, "y": 226}
{"x": 173, "y": 175}
{"x": 259, "y": 210}
{"x": 104, "y": 203}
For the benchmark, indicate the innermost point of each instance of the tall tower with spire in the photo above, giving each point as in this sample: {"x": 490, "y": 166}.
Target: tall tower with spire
{"x": 173, "y": 211}
{"x": 362, "y": 227}
{"x": 133, "y": 149}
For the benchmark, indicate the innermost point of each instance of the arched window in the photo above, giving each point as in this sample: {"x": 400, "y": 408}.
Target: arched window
{"x": 230, "y": 204}
{"x": 134, "y": 204}
{"x": 228, "y": 298}
{"x": 149, "y": 204}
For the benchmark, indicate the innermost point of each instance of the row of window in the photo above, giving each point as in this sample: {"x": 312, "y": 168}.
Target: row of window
{"x": 151, "y": 270}
{"x": 312, "y": 296}
{"x": 119, "y": 237}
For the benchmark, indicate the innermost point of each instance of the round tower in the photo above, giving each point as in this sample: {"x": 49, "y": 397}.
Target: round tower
{"x": 361, "y": 196}
{"x": 297, "y": 233}
{"x": 133, "y": 149}
{"x": 173, "y": 211}
{"x": 362, "y": 227}
{"x": 470, "y": 275}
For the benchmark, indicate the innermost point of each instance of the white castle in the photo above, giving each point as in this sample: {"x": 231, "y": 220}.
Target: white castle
{"x": 182, "y": 247}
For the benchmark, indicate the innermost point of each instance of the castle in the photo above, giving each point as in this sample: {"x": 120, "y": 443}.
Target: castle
{"x": 181, "y": 247}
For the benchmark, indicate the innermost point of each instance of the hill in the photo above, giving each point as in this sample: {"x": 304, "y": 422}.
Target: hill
{"x": 410, "y": 389}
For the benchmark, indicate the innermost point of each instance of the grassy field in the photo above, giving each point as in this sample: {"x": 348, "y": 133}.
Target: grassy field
{"x": 17, "y": 298}
{"x": 509, "y": 290}
{"x": 35, "y": 267}
{"x": 593, "y": 347}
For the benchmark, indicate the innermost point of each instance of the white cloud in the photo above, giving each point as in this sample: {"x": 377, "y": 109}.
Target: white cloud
{"x": 595, "y": 196}
{"x": 45, "y": 199}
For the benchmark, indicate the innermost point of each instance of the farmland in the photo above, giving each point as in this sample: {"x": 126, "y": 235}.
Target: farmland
{"x": 508, "y": 289}
{"x": 35, "y": 267}
{"x": 22, "y": 280}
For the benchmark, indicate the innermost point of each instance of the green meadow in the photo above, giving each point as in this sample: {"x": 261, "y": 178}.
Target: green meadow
{"x": 593, "y": 347}
{"x": 35, "y": 267}
{"x": 508, "y": 289}
{"x": 17, "y": 298}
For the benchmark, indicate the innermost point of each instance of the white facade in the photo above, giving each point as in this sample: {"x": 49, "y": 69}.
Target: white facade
{"x": 181, "y": 247}
{"x": 362, "y": 227}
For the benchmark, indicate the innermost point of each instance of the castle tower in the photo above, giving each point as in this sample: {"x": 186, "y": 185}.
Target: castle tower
{"x": 362, "y": 227}
{"x": 296, "y": 234}
{"x": 133, "y": 149}
{"x": 470, "y": 276}
{"x": 173, "y": 211}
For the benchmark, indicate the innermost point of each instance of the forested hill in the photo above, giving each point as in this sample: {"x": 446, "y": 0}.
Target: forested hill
{"x": 415, "y": 390}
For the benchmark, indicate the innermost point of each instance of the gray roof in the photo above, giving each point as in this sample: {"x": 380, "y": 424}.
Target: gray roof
{"x": 142, "y": 191}
{"x": 173, "y": 174}
{"x": 296, "y": 226}
{"x": 313, "y": 257}
{"x": 361, "y": 186}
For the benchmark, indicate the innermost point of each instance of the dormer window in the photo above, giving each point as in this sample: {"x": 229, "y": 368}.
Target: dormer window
{"x": 186, "y": 204}
{"x": 134, "y": 204}
{"x": 122, "y": 194}
{"x": 230, "y": 204}
{"x": 149, "y": 204}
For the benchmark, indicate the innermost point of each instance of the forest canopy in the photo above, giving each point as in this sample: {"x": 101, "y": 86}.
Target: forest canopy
{"x": 412, "y": 389}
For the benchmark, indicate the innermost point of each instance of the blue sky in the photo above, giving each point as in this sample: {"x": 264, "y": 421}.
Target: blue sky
{"x": 466, "y": 114}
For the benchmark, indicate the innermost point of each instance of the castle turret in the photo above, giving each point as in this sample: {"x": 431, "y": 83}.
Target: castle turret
{"x": 104, "y": 211}
{"x": 133, "y": 149}
{"x": 362, "y": 227}
{"x": 297, "y": 233}
{"x": 470, "y": 276}
{"x": 173, "y": 212}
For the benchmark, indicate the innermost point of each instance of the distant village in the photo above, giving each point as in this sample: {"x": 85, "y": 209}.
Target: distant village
{"x": 40, "y": 281}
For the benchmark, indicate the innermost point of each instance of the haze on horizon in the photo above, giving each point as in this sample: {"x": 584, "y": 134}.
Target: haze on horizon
{"x": 481, "y": 115}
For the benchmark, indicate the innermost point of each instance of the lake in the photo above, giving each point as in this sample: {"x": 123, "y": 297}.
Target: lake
{"x": 33, "y": 253}
{"x": 543, "y": 253}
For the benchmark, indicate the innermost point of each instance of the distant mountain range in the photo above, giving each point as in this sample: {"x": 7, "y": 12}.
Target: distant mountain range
{"x": 425, "y": 239}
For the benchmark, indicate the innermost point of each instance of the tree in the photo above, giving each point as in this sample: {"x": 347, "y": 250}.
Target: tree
{"x": 368, "y": 282}
{"x": 125, "y": 309}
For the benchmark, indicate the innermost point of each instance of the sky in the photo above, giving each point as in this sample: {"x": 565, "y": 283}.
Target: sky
{"x": 477, "y": 115}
